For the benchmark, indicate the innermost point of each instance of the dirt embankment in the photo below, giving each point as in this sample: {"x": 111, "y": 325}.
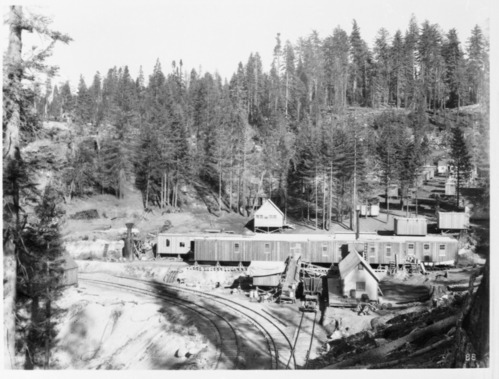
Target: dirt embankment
{"x": 101, "y": 328}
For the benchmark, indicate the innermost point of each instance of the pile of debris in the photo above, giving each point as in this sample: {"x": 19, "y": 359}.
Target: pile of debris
{"x": 421, "y": 336}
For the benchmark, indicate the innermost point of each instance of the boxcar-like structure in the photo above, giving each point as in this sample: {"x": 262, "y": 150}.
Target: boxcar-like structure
{"x": 325, "y": 248}
{"x": 410, "y": 226}
{"x": 452, "y": 220}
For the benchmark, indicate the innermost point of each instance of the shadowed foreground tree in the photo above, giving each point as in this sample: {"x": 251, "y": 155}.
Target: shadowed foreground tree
{"x": 19, "y": 123}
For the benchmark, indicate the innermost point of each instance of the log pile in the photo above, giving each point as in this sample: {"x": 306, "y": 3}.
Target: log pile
{"x": 437, "y": 334}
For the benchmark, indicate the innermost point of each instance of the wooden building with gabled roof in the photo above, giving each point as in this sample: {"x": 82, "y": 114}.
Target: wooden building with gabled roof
{"x": 268, "y": 218}
{"x": 357, "y": 277}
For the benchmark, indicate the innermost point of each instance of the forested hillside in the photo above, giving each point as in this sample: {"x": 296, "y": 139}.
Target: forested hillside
{"x": 330, "y": 120}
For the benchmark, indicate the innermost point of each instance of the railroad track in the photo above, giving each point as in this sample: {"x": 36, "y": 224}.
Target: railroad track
{"x": 221, "y": 314}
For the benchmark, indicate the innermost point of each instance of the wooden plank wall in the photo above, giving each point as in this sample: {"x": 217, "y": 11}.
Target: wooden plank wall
{"x": 410, "y": 227}
{"x": 311, "y": 251}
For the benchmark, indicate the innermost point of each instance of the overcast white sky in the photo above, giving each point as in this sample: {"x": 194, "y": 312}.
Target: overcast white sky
{"x": 217, "y": 34}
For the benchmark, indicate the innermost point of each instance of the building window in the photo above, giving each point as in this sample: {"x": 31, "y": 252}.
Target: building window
{"x": 426, "y": 246}
{"x": 236, "y": 248}
{"x": 441, "y": 250}
{"x": 410, "y": 246}
{"x": 324, "y": 249}
{"x": 267, "y": 248}
{"x": 167, "y": 243}
{"x": 182, "y": 244}
{"x": 360, "y": 286}
{"x": 372, "y": 251}
{"x": 388, "y": 250}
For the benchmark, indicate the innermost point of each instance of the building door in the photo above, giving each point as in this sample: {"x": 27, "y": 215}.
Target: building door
{"x": 344, "y": 250}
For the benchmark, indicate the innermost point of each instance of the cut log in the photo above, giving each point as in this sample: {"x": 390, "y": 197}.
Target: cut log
{"x": 380, "y": 352}
{"x": 412, "y": 355}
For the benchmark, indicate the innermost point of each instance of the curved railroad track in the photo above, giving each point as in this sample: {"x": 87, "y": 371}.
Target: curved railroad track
{"x": 223, "y": 314}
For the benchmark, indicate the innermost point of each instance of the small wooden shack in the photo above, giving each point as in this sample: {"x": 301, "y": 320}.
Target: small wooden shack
{"x": 429, "y": 170}
{"x": 443, "y": 167}
{"x": 357, "y": 277}
{"x": 410, "y": 226}
{"x": 450, "y": 187}
{"x": 265, "y": 273}
{"x": 453, "y": 220}
{"x": 70, "y": 271}
{"x": 369, "y": 210}
{"x": 268, "y": 218}
{"x": 373, "y": 210}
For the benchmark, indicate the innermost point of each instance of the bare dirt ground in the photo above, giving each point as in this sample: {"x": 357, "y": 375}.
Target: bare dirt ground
{"x": 103, "y": 328}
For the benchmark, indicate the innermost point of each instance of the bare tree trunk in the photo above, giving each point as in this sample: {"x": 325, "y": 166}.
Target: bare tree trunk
{"x": 330, "y": 216}
{"x": 324, "y": 202}
{"x": 147, "y": 192}
{"x": 47, "y": 331}
{"x": 220, "y": 187}
{"x": 239, "y": 190}
{"x": 11, "y": 154}
{"x": 230, "y": 189}
{"x": 354, "y": 194}
{"x": 316, "y": 199}
{"x": 287, "y": 94}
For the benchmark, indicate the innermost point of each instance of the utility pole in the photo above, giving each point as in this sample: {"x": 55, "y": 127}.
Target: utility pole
{"x": 357, "y": 216}
{"x": 129, "y": 242}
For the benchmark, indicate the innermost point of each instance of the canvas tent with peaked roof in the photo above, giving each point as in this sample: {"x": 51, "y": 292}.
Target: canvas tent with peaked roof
{"x": 357, "y": 277}
{"x": 268, "y": 218}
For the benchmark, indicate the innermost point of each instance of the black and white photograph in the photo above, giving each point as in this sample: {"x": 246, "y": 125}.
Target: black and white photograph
{"x": 249, "y": 185}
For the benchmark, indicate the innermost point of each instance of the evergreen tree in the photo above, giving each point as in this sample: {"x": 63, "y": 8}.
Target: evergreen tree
{"x": 67, "y": 101}
{"x": 39, "y": 274}
{"x": 55, "y": 107}
{"x": 397, "y": 77}
{"x": 336, "y": 52}
{"x": 95, "y": 95}
{"x": 357, "y": 91}
{"x": 477, "y": 60}
{"x": 382, "y": 69}
{"x": 454, "y": 63}
{"x": 389, "y": 148}
{"x": 460, "y": 158}
{"x": 410, "y": 48}
{"x": 83, "y": 107}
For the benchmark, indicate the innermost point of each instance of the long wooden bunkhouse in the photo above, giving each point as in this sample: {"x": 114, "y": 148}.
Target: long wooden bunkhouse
{"x": 316, "y": 248}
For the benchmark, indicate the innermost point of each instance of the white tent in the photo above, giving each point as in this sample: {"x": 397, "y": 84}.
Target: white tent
{"x": 265, "y": 268}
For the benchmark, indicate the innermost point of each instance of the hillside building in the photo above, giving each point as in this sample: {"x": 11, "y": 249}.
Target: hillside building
{"x": 268, "y": 218}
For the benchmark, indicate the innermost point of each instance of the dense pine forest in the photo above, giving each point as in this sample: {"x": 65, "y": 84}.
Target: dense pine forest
{"x": 297, "y": 133}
